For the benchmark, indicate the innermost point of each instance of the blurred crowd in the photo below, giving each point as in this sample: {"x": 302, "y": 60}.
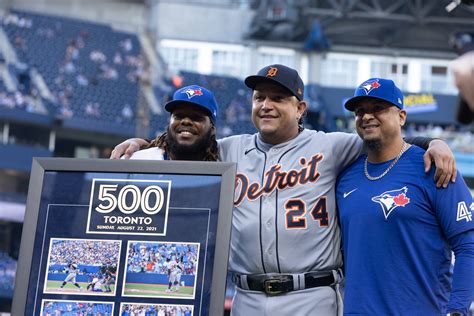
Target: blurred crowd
{"x": 155, "y": 310}
{"x": 18, "y": 100}
{"x": 89, "y": 68}
{"x": 7, "y": 273}
{"x": 85, "y": 252}
{"x": 76, "y": 309}
{"x": 459, "y": 138}
{"x": 151, "y": 257}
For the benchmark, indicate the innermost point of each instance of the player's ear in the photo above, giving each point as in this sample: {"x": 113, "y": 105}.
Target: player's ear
{"x": 213, "y": 129}
{"x": 302, "y": 106}
{"x": 402, "y": 115}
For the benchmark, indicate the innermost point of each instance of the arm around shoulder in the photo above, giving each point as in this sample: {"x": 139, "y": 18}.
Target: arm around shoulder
{"x": 128, "y": 147}
{"x": 437, "y": 151}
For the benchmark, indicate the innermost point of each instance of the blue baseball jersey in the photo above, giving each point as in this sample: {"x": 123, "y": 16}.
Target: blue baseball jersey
{"x": 395, "y": 236}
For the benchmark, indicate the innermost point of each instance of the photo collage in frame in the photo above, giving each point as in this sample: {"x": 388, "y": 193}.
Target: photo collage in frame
{"x": 118, "y": 243}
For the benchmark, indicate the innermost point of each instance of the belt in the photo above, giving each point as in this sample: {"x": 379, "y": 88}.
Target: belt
{"x": 275, "y": 284}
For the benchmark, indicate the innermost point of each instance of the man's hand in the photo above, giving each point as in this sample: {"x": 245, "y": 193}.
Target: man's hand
{"x": 127, "y": 148}
{"x": 439, "y": 152}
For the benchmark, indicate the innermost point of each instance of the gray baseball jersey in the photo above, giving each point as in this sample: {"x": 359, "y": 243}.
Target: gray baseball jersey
{"x": 284, "y": 218}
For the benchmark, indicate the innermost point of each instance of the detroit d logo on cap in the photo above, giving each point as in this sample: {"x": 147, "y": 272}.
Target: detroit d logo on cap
{"x": 138, "y": 207}
{"x": 272, "y": 72}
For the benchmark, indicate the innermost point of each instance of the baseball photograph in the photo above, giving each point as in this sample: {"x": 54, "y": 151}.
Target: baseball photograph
{"x": 82, "y": 266}
{"x": 161, "y": 269}
{"x": 76, "y": 308}
{"x": 136, "y": 309}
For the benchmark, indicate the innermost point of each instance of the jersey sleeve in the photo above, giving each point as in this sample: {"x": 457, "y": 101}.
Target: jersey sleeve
{"x": 463, "y": 279}
{"x": 222, "y": 146}
{"x": 346, "y": 148}
{"x": 454, "y": 207}
{"x": 153, "y": 153}
{"x": 230, "y": 147}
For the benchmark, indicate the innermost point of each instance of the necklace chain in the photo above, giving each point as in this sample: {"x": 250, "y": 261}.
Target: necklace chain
{"x": 366, "y": 171}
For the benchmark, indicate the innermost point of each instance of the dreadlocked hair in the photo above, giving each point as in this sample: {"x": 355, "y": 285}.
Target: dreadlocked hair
{"x": 159, "y": 142}
{"x": 212, "y": 152}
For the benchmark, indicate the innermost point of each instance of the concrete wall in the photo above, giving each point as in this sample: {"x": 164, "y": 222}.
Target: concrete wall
{"x": 198, "y": 22}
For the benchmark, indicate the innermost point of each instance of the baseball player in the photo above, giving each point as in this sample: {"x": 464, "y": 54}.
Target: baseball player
{"x": 92, "y": 282}
{"x": 191, "y": 132}
{"x": 108, "y": 280}
{"x": 398, "y": 229}
{"x": 285, "y": 246}
{"x": 179, "y": 268}
{"x": 95, "y": 285}
{"x": 72, "y": 271}
{"x": 170, "y": 266}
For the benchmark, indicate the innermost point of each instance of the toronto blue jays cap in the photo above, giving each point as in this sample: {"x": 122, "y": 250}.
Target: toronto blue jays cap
{"x": 376, "y": 88}
{"x": 195, "y": 95}
{"x": 285, "y": 76}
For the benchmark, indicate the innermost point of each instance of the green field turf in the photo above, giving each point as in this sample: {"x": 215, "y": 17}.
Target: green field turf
{"x": 71, "y": 288}
{"x": 141, "y": 289}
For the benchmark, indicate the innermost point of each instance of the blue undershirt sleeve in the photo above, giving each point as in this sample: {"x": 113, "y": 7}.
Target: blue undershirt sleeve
{"x": 462, "y": 293}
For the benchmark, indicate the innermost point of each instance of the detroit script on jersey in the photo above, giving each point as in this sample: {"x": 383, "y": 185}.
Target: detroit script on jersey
{"x": 276, "y": 178}
{"x": 284, "y": 203}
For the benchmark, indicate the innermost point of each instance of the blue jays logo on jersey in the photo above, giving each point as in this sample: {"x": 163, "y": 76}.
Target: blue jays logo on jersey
{"x": 390, "y": 200}
{"x": 370, "y": 85}
{"x": 193, "y": 92}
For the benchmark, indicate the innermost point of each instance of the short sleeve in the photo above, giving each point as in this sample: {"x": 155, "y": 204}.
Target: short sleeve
{"x": 346, "y": 148}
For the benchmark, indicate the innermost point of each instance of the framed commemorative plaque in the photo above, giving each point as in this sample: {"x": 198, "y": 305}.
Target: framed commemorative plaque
{"x": 125, "y": 237}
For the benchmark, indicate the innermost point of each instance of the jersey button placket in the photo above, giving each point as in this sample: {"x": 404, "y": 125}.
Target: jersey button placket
{"x": 269, "y": 232}
{"x": 268, "y": 219}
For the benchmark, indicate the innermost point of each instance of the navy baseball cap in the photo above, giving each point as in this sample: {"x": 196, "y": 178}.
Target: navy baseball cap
{"x": 376, "y": 88}
{"x": 284, "y": 76}
{"x": 195, "y": 95}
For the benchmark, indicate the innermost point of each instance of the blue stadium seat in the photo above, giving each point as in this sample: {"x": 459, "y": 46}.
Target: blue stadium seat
{"x": 62, "y": 51}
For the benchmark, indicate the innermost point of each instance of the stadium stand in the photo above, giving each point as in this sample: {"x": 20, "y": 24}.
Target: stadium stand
{"x": 91, "y": 70}
{"x": 154, "y": 310}
{"x": 7, "y": 275}
{"x": 77, "y": 308}
{"x": 151, "y": 258}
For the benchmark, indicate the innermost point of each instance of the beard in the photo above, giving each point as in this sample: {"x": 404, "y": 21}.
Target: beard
{"x": 196, "y": 151}
{"x": 373, "y": 144}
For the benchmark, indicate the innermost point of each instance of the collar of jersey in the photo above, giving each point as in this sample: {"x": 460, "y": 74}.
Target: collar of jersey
{"x": 266, "y": 146}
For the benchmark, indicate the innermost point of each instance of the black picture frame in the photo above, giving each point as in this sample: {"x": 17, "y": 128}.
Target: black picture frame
{"x": 38, "y": 232}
